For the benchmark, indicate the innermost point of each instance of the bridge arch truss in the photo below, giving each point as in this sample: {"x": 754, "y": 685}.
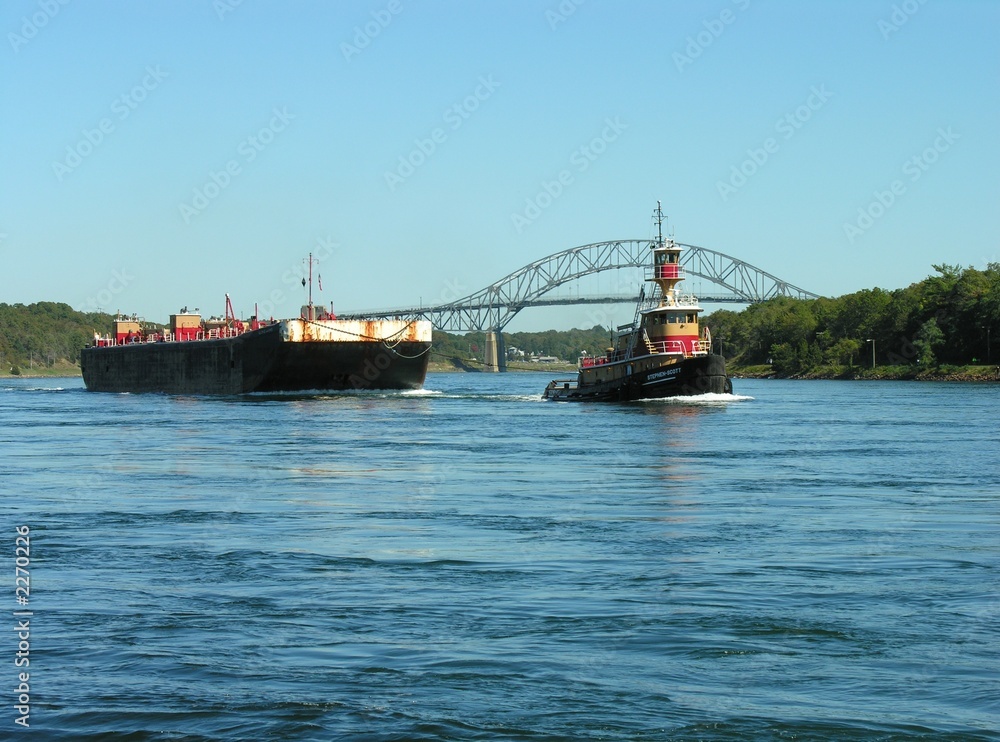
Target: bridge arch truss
{"x": 496, "y": 305}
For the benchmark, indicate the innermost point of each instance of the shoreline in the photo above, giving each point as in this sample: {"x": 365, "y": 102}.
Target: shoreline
{"x": 976, "y": 374}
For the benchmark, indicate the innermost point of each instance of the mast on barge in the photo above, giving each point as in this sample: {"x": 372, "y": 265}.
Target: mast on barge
{"x": 310, "y": 312}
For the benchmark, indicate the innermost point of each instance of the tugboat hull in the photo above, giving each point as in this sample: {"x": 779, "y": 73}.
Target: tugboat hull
{"x": 648, "y": 377}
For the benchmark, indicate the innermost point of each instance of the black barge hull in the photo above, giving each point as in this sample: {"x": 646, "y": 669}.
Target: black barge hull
{"x": 643, "y": 380}
{"x": 257, "y": 361}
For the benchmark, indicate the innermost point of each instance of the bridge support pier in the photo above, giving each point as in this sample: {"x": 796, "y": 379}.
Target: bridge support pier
{"x": 496, "y": 353}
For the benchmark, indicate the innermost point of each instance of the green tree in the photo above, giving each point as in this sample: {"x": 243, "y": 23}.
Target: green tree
{"x": 843, "y": 352}
{"x": 783, "y": 358}
{"x": 929, "y": 338}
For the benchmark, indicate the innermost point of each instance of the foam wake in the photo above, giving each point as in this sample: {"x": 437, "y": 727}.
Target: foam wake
{"x": 707, "y": 398}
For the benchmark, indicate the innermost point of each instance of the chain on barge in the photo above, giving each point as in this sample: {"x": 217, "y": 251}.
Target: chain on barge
{"x": 315, "y": 351}
{"x": 662, "y": 353}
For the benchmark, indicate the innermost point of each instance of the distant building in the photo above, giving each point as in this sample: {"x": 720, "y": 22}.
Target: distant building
{"x": 537, "y": 358}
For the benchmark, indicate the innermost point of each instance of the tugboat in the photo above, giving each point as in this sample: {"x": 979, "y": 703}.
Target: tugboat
{"x": 315, "y": 351}
{"x": 661, "y": 354}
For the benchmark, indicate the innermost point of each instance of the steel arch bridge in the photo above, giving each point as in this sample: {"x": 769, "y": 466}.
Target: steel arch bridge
{"x": 496, "y": 305}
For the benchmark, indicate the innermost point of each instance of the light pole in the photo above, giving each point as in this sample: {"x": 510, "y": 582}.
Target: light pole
{"x": 872, "y": 341}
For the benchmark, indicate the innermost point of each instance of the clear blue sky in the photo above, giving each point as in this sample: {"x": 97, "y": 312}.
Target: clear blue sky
{"x": 115, "y": 114}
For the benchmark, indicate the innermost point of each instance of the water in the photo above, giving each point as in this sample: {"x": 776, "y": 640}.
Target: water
{"x": 807, "y": 560}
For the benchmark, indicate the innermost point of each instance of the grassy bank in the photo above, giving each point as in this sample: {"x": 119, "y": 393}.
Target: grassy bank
{"x": 892, "y": 373}
{"x": 61, "y": 368}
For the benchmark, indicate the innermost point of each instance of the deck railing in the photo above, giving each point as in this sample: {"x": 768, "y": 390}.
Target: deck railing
{"x": 685, "y": 348}
{"x": 166, "y": 336}
{"x": 667, "y": 271}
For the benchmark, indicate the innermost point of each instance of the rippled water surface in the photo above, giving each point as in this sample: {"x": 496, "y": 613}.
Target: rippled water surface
{"x": 805, "y": 560}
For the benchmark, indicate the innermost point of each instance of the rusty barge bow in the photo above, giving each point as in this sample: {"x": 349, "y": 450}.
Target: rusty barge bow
{"x": 315, "y": 351}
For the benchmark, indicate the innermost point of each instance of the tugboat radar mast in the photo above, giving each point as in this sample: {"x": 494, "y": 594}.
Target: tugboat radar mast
{"x": 658, "y": 215}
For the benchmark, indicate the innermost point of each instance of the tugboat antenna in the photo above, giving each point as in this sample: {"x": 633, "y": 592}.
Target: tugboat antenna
{"x": 659, "y": 223}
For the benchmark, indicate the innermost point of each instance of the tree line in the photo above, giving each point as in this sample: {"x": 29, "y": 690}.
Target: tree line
{"x": 45, "y": 333}
{"x": 950, "y": 317}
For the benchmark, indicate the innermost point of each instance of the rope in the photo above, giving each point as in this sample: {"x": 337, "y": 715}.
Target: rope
{"x": 384, "y": 341}
{"x": 424, "y": 352}
{"x": 359, "y": 335}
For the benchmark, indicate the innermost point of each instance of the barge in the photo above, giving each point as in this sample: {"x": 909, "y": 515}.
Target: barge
{"x": 315, "y": 351}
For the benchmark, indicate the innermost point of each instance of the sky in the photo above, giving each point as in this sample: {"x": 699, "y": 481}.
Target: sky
{"x": 156, "y": 155}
